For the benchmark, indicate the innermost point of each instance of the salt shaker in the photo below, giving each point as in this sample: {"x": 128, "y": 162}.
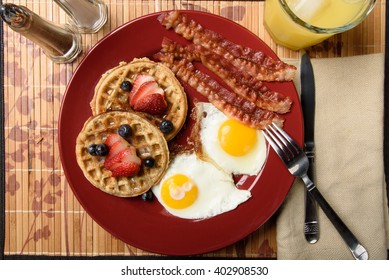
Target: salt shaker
{"x": 59, "y": 43}
{"x": 88, "y": 16}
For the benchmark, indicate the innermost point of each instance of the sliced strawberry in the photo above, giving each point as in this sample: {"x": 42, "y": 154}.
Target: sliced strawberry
{"x": 112, "y": 139}
{"x": 124, "y": 163}
{"x": 153, "y": 103}
{"x": 130, "y": 155}
{"x": 127, "y": 155}
{"x": 146, "y": 96}
{"x": 115, "y": 144}
{"x": 145, "y": 89}
{"x": 110, "y": 161}
{"x": 150, "y": 98}
{"x": 117, "y": 147}
{"x": 139, "y": 80}
{"x": 133, "y": 156}
{"x": 127, "y": 169}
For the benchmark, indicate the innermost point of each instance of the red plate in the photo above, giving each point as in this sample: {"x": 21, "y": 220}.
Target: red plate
{"x": 147, "y": 225}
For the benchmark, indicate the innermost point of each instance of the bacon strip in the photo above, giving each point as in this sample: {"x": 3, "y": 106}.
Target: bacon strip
{"x": 256, "y": 63}
{"x": 243, "y": 84}
{"x": 232, "y": 105}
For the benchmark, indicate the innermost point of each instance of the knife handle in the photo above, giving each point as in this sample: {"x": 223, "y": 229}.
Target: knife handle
{"x": 357, "y": 250}
{"x": 311, "y": 222}
{"x": 311, "y": 158}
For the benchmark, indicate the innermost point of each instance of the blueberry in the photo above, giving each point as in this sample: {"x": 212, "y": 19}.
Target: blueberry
{"x": 149, "y": 162}
{"x": 126, "y": 86}
{"x": 148, "y": 196}
{"x": 166, "y": 126}
{"x": 101, "y": 150}
{"x": 124, "y": 130}
{"x": 92, "y": 149}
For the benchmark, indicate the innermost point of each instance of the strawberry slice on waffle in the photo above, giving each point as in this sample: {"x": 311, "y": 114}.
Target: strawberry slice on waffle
{"x": 112, "y": 139}
{"x": 147, "y": 96}
{"x": 121, "y": 159}
{"x": 140, "y": 80}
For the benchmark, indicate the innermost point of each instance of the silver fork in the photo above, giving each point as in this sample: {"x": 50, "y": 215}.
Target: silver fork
{"x": 297, "y": 163}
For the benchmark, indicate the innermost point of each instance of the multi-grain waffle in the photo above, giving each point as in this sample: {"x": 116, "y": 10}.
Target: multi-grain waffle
{"x": 109, "y": 96}
{"x": 145, "y": 137}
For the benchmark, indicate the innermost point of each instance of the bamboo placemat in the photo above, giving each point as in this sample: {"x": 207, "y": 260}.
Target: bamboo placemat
{"x": 42, "y": 216}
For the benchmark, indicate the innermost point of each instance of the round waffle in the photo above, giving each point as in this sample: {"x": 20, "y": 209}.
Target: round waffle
{"x": 109, "y": 96}
{"x": 145, "y": 137}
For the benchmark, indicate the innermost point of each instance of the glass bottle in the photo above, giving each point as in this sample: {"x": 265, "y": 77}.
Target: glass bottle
{"x": 88, "y": 16}
{"x": 59, "y": 43}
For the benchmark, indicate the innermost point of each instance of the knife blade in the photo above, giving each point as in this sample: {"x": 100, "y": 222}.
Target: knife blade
{"x": 307, "y": 87}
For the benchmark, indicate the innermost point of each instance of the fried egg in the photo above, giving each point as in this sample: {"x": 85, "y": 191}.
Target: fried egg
{"x": 196, "y": 189}
{"x": 234, "y": 147}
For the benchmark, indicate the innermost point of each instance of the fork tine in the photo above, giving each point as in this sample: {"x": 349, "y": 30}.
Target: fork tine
{"x": 287, "y": 140}
{"x": 276, "y": 145}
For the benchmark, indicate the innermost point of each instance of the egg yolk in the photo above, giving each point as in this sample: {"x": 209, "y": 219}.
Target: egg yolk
{"x": 179, "y": 191}
{"x": 235, "y": 138}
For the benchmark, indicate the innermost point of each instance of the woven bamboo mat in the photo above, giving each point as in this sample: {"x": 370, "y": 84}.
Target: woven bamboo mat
{"x": 42, "y": 216}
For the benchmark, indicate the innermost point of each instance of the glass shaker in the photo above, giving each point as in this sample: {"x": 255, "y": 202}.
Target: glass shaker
{"x": 88, "y": 16}
{"x": 59, "y": 43}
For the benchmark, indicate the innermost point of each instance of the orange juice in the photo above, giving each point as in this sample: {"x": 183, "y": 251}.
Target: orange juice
{"x": 297, "y": 24}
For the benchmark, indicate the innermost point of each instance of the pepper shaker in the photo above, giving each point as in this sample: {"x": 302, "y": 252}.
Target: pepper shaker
{"x": 59, "y": 43}
{"x": 88, "y": 16}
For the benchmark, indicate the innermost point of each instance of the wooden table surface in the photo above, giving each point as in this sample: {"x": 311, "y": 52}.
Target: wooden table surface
{"x": 42, "y": 216}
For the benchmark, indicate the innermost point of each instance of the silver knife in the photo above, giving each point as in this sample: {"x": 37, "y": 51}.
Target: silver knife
{"x": 311, "y": 223}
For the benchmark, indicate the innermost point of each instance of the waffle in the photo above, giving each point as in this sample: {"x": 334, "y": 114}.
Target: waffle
{"x": 109, "y": 96}
{"x": 146, "y": 138}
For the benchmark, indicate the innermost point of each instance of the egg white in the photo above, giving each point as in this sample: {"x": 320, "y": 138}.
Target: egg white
{"x": 211, "y": 119}
{"x": 217, "y": 192}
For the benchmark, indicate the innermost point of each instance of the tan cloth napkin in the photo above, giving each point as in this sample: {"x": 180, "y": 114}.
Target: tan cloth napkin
{"x": 349, "y": 162}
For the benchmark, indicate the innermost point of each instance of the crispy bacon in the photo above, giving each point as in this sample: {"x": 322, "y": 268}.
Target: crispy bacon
{"x": 243, "y": 84}
{"x": 228, "y": 102}
{"x": 256, "y": 63}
